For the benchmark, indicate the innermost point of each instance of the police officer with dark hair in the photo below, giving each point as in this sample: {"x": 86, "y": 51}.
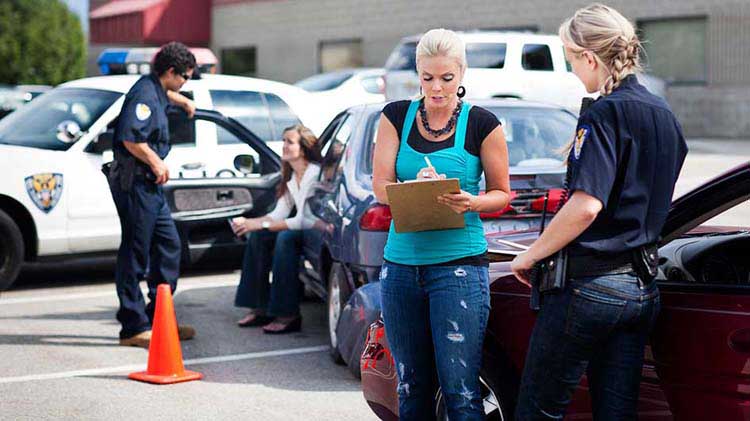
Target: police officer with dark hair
{"x": 594, "y": 265}
{"x": 149, "y": 236}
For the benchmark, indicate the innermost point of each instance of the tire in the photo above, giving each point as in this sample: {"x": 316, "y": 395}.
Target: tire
{"x": 496, "y": 406}
{"x": 11, "y": 251}
{"x": 338, "y": 294}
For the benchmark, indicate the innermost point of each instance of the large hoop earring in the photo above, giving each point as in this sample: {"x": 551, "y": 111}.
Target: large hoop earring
{"x": 461, "y": 91}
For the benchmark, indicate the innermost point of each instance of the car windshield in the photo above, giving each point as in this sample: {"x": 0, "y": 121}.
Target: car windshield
{"x": 35, "y": 124}
{"x": 325, "y": 81}
{"x": 478, "y": 56}
{"x": 536, "y": 136}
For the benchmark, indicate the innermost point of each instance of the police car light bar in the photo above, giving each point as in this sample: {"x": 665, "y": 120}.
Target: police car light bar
{"x": 119, "y": 61}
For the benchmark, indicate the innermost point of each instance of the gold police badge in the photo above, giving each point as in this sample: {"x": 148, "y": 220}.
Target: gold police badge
{"x": 45, "y": 190}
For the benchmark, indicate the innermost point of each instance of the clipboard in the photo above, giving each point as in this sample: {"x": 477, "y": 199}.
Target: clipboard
{"x": 415, "y": 208}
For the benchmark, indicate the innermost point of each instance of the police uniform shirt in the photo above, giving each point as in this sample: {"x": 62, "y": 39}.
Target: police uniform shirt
{"x": 628, "y": 152}
{"x": 143, "y": 117}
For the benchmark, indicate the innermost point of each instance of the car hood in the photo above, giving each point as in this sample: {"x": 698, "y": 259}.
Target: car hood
{"x": 17, "y": 161}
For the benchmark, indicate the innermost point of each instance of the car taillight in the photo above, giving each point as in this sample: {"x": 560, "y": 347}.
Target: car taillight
{"x": 376, "y": 218}
{"x": 497, "y": 214}
{"x": 554, "y": 200}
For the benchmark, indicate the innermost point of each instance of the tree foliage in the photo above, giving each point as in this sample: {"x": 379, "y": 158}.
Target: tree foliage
{"x": 41, "y": 42}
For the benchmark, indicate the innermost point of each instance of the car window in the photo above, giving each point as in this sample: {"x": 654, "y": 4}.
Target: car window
{"x": 537, "y": 57}
{"x": 181, "y": 129}
{"x": 248, "y": 108}
{"x": 373, "y": 84}
{"x": 334, "y": 149}
{"x": 281, "y": 115}
{"x": 371, "y": 135}
{"x": 486, "y": 55}
{"x": 478, "y": 55}
{"x": 535, "y": 137}
{"x": 403, "y": 57}
{"x": 35, "y": 124}
{"x": 325, "y": 81}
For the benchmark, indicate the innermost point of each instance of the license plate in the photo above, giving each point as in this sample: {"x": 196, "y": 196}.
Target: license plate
{"x": 503, "y": 225}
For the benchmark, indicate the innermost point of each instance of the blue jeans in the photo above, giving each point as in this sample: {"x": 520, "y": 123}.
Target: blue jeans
{"x": 597, "y": 325}
{"x": 266, "y": 251}
{"x": 435, "y": 317}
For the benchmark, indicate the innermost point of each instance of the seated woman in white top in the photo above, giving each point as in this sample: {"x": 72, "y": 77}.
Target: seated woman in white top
{"x": 275, "y": 241}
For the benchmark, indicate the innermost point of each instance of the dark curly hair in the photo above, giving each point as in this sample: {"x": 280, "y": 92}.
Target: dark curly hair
{"x": 176, "y": 55}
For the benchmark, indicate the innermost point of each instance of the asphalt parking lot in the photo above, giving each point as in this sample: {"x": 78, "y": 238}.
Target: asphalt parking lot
{"x": 59, "y": 356}
{"x": 59, "y": 359}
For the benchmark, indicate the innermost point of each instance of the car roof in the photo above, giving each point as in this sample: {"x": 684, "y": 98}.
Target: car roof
{"x": 495, "y": 36}
{"x": 123, "y": 83}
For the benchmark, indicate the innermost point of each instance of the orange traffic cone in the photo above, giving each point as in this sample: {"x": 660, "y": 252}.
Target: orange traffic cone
{"x": 164, "y": 353}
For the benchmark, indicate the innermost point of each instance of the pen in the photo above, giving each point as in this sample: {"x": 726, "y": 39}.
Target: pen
{"x": 427, "y": 160}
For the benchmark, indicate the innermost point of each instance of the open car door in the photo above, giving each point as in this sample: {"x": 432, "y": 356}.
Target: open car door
{"x": 701, "y": 343}
{"x": 202, "y": 202}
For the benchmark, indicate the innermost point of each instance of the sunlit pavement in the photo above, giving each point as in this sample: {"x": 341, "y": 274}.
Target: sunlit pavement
{"x": 59, "y": 359}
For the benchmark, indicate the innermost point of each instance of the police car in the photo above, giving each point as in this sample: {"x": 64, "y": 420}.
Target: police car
{"x": 55, "y": 203}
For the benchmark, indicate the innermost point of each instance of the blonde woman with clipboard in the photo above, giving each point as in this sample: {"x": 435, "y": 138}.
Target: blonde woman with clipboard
{"x": 434, "y": 284}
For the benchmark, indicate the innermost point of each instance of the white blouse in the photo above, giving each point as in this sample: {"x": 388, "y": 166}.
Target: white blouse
{"x": 296, "y": 195}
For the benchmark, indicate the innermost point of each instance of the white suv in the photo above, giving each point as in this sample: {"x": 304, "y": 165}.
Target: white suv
{"x": 55, "y": 202}
{"x": 501, "y": 65}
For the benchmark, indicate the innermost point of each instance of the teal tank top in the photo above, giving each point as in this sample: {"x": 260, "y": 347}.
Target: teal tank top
{"x": 438, "y": 246}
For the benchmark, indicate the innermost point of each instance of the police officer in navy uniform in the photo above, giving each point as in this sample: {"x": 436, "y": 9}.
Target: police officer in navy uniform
{"x": 149, "y": 237}
{"x": 624, "y": 161}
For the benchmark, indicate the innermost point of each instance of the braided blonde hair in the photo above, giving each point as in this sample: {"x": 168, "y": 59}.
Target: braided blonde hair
{"x": 609, "y": 36}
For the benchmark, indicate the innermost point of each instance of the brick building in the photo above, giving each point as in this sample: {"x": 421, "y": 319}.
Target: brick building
{"x": 701, "y": 47}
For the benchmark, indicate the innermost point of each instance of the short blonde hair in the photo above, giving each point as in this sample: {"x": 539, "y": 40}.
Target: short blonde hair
{"x": 609, "y": 35}
{"x": 442, "y": 42}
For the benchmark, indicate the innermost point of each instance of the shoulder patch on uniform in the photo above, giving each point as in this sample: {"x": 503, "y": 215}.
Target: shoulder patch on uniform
{"x": 581, "y": 135}
{"x": 44, "y": 190}
{"x": 142, "y": 111}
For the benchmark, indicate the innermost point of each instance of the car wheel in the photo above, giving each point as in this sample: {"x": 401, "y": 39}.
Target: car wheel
{"x": 338, "y": 294}
{"x": 11, "y": 251}
{"x": 495, "y": 409}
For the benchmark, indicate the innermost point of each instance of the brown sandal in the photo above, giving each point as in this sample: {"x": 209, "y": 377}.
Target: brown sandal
{"x": 252, "y": 319}
{"x": 277, "y": 327}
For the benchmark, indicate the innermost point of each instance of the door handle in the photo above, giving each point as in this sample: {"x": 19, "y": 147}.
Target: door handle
{"x": 739, "y": 340}
{"x": 190, "y": 166}
{"x": 223, "y": 195}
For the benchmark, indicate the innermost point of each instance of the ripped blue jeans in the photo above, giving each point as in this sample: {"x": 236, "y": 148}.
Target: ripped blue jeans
{"x": 435, "y": 318}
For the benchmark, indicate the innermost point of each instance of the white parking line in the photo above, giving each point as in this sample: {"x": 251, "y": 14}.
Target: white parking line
{"x": 110, "y": 293}
{"x": 135, "y": 367}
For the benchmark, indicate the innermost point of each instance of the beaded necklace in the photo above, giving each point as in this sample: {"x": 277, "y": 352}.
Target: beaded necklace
{"x": 440, "y": 132}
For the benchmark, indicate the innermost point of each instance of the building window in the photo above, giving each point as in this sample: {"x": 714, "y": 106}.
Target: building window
{"x": 675, "y": 49}
{"x": 239, "y": 61}
{"x": 334, "y": 55}
{"x": 537, "y": 57}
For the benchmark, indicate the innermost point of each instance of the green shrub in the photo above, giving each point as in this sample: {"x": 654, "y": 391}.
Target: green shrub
{"x": 41, "y": 42}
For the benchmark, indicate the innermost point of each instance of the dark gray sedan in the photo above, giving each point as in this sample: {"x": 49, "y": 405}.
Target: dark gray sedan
{"x": 342, "y": 262}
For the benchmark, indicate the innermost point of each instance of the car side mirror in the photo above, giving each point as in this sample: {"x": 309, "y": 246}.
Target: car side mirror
{"x": 245, "y": 164}
{"x": 102, "y": 143}
{"x": 68, "y": 131}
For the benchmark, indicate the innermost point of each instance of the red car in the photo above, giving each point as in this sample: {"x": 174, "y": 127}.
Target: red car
{"x": 697, "y": 366}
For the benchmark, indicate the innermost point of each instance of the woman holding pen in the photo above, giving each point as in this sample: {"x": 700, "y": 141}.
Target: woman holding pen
{"x": 434, "y": 284}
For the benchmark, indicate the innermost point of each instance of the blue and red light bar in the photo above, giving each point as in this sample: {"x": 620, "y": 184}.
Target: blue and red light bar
{"x": 120, "y": 61}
